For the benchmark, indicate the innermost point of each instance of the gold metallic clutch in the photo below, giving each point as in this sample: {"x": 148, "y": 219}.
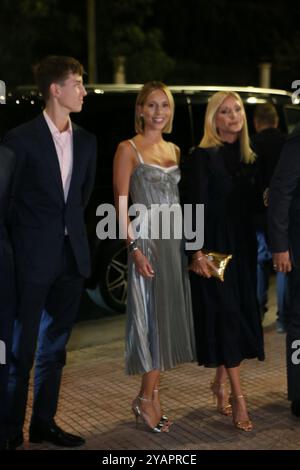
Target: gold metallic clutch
{"x": 220, "y": 261}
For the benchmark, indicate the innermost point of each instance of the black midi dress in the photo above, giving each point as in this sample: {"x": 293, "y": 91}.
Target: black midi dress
{"x": 226, "y": 316}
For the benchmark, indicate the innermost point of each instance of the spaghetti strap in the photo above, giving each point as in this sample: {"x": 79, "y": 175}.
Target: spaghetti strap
{"x": 174, "y": 152}
{"x": 137, "y": 152}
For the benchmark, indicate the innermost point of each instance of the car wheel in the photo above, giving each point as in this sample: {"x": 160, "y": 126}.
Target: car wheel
{"x": 113, "y": 276}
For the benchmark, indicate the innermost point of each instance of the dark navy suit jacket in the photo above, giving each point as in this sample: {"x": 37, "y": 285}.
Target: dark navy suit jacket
{"x": 284, "y": 202}
{"x": 40, "y": 214}
{"x": 7, "y": 281}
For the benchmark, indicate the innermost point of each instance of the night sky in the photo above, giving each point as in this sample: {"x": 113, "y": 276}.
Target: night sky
{"x": 180, "y": 42}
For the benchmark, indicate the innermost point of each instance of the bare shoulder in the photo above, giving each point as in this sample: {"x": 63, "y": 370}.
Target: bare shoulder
{"x": 125, "y": 147}
{"x": 125, "y": 158}
{"x": 125, "y": 151}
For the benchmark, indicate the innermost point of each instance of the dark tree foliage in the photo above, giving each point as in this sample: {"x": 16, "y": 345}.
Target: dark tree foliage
{"x": 127, "y": 28}
{"x": 179, "y": 41}
{"x": 221, "y": 41}
{"x": 31, "y": 29}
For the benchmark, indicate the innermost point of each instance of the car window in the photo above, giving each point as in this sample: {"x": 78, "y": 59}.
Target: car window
{"x": 17, "y": 112}
{"x": 182, "y": 132}
{"x": 111, "y": 118}
{"x": 292, "y": 117}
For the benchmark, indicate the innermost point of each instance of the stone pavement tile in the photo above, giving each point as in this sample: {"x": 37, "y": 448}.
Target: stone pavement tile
{"x": 96, "y": 396}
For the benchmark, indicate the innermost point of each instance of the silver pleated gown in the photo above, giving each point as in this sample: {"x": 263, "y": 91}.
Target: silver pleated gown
{"x": 159, "y": 330}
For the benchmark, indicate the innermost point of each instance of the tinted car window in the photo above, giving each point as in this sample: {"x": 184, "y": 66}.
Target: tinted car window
{"x": 182, "y": 132}
{"x": 292, "y": 117}
{"x": 111, "y": 119}
{"x": 16, "y": 112}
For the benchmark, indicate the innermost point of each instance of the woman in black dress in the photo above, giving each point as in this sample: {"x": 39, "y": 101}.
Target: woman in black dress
{"x": 7, "y": 284}
{"x": 222, "y": 176}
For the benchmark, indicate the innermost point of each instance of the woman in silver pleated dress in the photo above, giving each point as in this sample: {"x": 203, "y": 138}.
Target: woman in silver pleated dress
{"x": 159, "y": 333}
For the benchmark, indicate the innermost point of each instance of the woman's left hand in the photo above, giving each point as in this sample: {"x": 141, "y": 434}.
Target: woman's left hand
{"x": 201, "y": 265}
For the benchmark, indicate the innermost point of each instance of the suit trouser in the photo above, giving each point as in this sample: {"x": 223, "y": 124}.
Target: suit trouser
{"x": 264, "y": 257}
{"x": 7, "y": 316}
{"x": 293, "y": 336}
{"x": 46, "y": 314}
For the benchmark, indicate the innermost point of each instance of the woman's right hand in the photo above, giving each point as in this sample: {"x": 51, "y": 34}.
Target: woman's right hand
{"x": 266, "y": 197}
{"x": 142, "y": 264}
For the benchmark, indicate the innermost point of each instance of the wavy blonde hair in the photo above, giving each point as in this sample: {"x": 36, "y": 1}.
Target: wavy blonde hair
{"x": 211, "y": 137}
{"x": 147, "y": 89}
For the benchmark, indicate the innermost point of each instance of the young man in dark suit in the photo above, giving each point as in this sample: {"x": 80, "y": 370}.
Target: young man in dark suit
{"x": 284, "y": 237}
{"x": 54, "y": 178}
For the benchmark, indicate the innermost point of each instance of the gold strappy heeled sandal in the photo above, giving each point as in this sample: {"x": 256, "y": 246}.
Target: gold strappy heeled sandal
{"x": 225, "y": 409}
{"x": 243, "y": 425}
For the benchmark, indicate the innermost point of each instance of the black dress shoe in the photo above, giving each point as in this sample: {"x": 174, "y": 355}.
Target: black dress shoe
{"x": 53, "y": 433}
{"x": 14, "y": 442}
{"x": 295, "y": 408}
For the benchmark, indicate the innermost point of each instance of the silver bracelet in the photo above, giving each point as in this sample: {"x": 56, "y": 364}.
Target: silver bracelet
{"x": 132, "y": 246}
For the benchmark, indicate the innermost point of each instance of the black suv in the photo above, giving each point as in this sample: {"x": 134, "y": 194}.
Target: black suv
{"x": 108, "y": 112}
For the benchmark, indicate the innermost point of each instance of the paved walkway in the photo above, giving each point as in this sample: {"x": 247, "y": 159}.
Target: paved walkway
{"x": 96, "y": 398}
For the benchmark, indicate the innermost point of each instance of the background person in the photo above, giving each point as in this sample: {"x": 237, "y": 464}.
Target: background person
{"x": 159, "y": 332}
{"x": 221, "y": 175}
{"x": 267, "y": 144}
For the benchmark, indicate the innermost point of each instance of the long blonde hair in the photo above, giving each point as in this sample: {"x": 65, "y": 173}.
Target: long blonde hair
{"x": 211, "y": 137}
{"x": 140, "y": 101}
